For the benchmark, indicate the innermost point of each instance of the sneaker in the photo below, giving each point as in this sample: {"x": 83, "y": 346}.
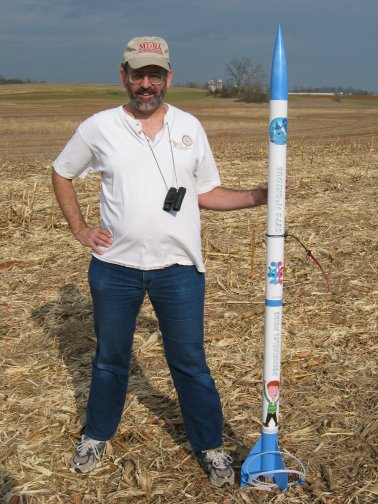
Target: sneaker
{"x": 217, "y": 464}
{"x": 87, "y": 454}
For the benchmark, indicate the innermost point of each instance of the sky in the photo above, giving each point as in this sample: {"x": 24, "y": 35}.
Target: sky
{"x": 328, "y": 42}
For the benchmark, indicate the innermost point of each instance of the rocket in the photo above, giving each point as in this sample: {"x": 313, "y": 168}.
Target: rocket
{"x": 264, "y": 462}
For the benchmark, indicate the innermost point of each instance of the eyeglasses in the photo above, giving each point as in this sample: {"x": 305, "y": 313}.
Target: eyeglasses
{"x": 155, "y": 78}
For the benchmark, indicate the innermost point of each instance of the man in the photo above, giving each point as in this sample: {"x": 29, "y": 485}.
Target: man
{"x": 157, "y": 171}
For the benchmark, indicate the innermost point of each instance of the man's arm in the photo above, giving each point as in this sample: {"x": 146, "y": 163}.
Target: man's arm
{"x": 221, "y": 198}
{"x": 66, "y": 195}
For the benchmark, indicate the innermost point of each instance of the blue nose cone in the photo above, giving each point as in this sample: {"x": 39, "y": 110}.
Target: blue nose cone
{"x": 278, "y": 76}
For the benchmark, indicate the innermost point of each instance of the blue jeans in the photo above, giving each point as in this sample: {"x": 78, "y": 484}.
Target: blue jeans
{"x": 177, "y": 294}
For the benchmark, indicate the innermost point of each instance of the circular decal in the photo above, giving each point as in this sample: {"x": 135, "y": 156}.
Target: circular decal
{"x": 278, "y": 130}
{"x": 186, "y": 140}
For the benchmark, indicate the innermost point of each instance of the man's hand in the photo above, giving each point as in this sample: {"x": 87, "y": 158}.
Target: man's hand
{"x": 260, "y": 194}
{"x": 94, "y": 237}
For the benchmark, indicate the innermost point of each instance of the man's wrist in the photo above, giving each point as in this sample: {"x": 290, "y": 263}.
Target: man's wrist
{"x": 77, "y": 231}
{"x": 255, "y": 197}
{"x": 258, "y": 196}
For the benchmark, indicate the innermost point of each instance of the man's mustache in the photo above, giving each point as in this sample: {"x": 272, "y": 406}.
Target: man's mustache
{"x": 146, "y": 91}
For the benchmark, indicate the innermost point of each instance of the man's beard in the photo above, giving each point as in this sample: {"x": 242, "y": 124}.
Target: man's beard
{"x": 146, "y": 106}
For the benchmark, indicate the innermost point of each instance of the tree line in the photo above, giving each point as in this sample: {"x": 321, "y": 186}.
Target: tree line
{"x": 244, "y": 81}
{"x": 15, "y": 80}
{"x": 247, "y": 82}
{"x": 336, "y": 90}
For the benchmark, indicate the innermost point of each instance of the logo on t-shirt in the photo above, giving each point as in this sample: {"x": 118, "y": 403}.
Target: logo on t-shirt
{"x": 186, "y": 140}
{"x": 186, "y": 143}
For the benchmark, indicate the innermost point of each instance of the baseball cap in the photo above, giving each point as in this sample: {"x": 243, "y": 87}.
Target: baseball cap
{"x": 146, "y": 50}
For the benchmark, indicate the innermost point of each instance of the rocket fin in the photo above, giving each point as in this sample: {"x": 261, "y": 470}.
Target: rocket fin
{"x": 251, "y": 466}
{"x": 266, "y": 458}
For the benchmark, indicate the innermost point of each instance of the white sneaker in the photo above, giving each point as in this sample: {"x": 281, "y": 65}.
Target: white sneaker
{"x": 217, "y": 463}
{"x": 88, "y": 453}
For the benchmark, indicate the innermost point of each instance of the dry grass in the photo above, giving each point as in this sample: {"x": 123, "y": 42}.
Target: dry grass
{"x": 329, "y": 370}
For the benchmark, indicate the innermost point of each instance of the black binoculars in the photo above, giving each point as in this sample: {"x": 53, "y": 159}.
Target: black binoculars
{"x": 174, "y": 199}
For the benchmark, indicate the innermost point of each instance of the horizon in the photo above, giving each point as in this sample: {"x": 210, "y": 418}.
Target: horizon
{"x": 191, "y": 85}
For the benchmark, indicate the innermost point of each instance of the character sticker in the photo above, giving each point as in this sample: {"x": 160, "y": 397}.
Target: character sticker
{"x": 275, "y": 273}
{"x": 271, "y": 394}
{"x": 278, "y": 130}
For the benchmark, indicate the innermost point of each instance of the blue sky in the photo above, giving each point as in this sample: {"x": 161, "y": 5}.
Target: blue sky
{"x": 328, "y": 42}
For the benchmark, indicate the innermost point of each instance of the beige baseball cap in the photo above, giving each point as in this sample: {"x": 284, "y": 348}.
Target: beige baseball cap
{"x": 143, "y": 51}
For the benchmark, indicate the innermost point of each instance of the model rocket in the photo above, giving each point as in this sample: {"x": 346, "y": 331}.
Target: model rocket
{"x": 265, "y": 463}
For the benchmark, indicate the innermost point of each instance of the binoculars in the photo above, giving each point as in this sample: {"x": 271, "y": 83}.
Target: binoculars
{"x": 174, "y": 199}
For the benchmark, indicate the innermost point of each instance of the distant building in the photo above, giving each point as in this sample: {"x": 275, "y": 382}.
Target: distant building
{"x": 212, "y": 86}
{"x": 215, "y": 85}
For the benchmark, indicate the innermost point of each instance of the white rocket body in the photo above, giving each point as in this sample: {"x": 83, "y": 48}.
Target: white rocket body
{"x": 275, "y": 242}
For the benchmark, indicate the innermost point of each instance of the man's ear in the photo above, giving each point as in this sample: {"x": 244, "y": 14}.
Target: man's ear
{"x": 170, "y": 76}
{"x": 122, "y": 74}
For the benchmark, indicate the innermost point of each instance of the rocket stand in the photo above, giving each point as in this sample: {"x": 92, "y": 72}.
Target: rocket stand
{"x": 264, "y": 465}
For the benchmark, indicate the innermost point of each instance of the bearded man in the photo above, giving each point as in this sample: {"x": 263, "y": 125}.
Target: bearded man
{"x": 157, "y": 171}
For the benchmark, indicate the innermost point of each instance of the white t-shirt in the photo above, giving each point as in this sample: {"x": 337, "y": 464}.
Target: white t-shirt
{"x": 133, "y": 190}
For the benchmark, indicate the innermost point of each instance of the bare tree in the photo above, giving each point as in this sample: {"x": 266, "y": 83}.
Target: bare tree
{"x": 238, "y": 71}
{"x": 247, "y": 81}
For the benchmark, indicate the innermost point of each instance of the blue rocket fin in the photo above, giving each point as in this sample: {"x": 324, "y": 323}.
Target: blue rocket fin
{"x": 252, "y": 464}
{"x": 266, "y": 458}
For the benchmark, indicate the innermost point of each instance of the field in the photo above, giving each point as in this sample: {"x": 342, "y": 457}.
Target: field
{"x": 329, "y": 401}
